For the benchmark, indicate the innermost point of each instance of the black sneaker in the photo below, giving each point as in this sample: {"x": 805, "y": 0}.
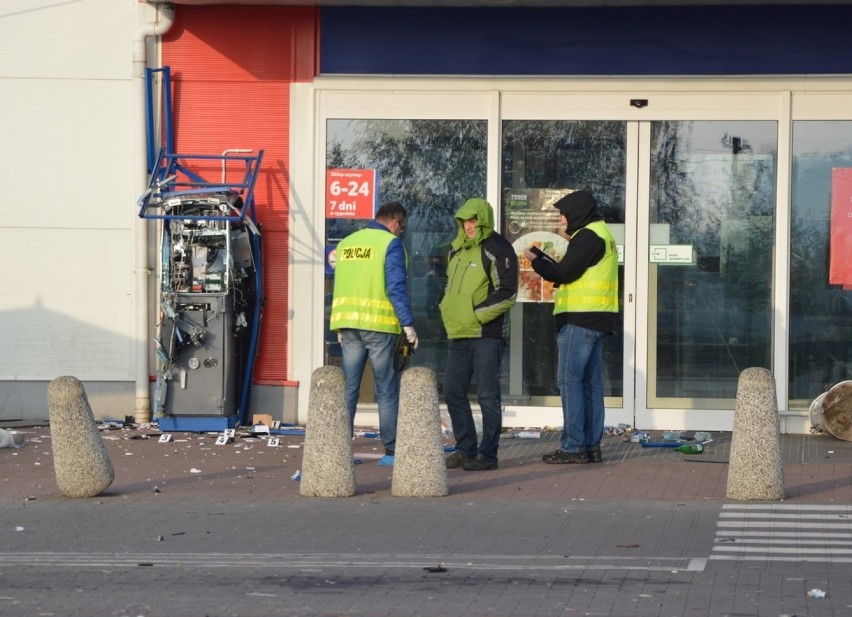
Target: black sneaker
{"x": 594, "y": 455}
{"x": 481, "y": 463}
{"x": 456, "y": 460}
{"x": 561, "y": 457}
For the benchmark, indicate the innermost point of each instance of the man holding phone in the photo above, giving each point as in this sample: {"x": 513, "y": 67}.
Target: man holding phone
{"x": 585, "y": 310}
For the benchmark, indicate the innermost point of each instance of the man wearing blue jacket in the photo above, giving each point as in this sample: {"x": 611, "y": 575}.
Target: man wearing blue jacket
{"x": 370, "y": 309}
{"x": 482, "y": 285}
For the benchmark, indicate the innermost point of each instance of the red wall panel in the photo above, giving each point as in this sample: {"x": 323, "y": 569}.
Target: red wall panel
{"x": 231, "y": 69}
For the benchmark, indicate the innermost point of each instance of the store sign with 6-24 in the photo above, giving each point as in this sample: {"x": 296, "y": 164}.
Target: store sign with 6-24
{"x": 351, "y": 193}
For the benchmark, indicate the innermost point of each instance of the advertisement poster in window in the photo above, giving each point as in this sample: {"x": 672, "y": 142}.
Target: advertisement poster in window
{"x": 531, "y": 220}
{"x": 840, "y": 244}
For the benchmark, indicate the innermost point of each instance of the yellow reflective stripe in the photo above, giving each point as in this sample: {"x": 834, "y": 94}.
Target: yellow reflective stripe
{"x": 382, "y": 305}
{"x": 354, "y": 317}
{"x": 583, "y": 298}
{"x": 595, "y": 285}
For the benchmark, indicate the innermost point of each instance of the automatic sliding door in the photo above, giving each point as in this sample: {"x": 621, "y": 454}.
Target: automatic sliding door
{"x": 710, "y": 243}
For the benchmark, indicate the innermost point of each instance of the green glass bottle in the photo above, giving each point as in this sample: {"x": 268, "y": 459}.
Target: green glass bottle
{"x": 691, "y": 448}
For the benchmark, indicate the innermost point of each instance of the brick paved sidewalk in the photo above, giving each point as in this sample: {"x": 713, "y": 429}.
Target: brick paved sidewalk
{"x": 818, "y": 468}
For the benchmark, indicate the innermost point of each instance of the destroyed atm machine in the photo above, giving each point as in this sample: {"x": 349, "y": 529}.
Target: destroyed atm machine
{"x": 210, "y": 288}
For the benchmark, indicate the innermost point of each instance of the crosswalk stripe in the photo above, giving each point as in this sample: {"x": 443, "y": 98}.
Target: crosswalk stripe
{"x": 782, "y": 507}
{"x": 783, "y": 525}
{"x": 779, "y": 516}
{"x": 783, "y": 532}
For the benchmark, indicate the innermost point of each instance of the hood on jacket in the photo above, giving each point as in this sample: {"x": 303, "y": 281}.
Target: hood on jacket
{"x": 484, "y": 213}
{"x": 580, "y": 208}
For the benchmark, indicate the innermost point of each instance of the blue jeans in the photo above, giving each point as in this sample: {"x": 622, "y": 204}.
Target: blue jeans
{"x": 358, "y": 346}
{"x": 580, "y": 381}
{"x": 476, "y": 359}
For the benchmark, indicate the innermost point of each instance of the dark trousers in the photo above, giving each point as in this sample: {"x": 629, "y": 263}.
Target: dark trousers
{"x": 477, "y": 360}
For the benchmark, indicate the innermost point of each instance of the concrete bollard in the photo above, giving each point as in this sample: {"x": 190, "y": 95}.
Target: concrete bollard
{"x": 419, "y": 468}
{"x": 756, "y": 471}
{"x": 327, "y": 466}
{"x": 80, "y": 459}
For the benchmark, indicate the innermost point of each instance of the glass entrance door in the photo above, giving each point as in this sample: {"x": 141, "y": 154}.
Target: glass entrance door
{"x": 705, "y": 263}
{"x": 690, "y": 192}
{"x": 541, "y": 162}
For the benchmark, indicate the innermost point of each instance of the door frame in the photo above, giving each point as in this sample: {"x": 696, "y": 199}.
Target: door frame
{"x": 638, "y": 110}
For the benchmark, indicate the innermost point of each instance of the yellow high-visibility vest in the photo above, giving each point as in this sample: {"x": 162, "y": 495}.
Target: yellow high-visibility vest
{"x": 360, "y": 297}
{"x": 596, "y": 291}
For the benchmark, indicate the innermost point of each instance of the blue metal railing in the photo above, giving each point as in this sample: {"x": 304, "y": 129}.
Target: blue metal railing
{"x": 175, "y": 177}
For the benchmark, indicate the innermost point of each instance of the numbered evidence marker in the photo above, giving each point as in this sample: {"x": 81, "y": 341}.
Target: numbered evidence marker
{"x": 165, "y": 438}
{"x": 272, "y": 441}
{"x": 227, "y": 436}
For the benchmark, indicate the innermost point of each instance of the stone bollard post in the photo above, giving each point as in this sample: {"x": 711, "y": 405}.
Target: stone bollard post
{"x": 756, "y": 471}
{"x": 419, "y": 468}
{"x": 327, "y": 466}
{"x": 80, "y": 459}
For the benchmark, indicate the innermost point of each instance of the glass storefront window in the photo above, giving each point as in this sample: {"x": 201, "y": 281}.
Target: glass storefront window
{"x": 820, "y": 281}
{"x": 541, "y": 162}
{"x": 431, "y": 167}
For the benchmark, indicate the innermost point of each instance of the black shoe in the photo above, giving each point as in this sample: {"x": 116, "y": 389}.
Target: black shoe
{"x": 456, "y": 460}
{"x": 594, "y": 455}
{"x": 481, "y": 463}
{"x": 561, "y": 457}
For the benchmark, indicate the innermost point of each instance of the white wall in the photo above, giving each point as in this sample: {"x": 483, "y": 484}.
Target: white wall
{"x": 69, "y": 166}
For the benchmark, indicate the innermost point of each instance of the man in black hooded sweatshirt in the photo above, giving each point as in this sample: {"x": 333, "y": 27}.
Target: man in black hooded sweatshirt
{"x": 585, "y": 309}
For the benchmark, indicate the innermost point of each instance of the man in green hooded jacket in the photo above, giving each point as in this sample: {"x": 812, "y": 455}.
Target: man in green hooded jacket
{"x": 482, "y": 285}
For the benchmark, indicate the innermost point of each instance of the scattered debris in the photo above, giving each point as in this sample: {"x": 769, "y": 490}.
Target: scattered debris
{"x": 260, "y": 429}
{"x": 287, "y": 431}
{"x": 621, "y": 429}
{"x": 829, "y": 412}
{"x": 528, "y": 435}
{"x": 11, "y": 439}
{"x": 371, "y": 455}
